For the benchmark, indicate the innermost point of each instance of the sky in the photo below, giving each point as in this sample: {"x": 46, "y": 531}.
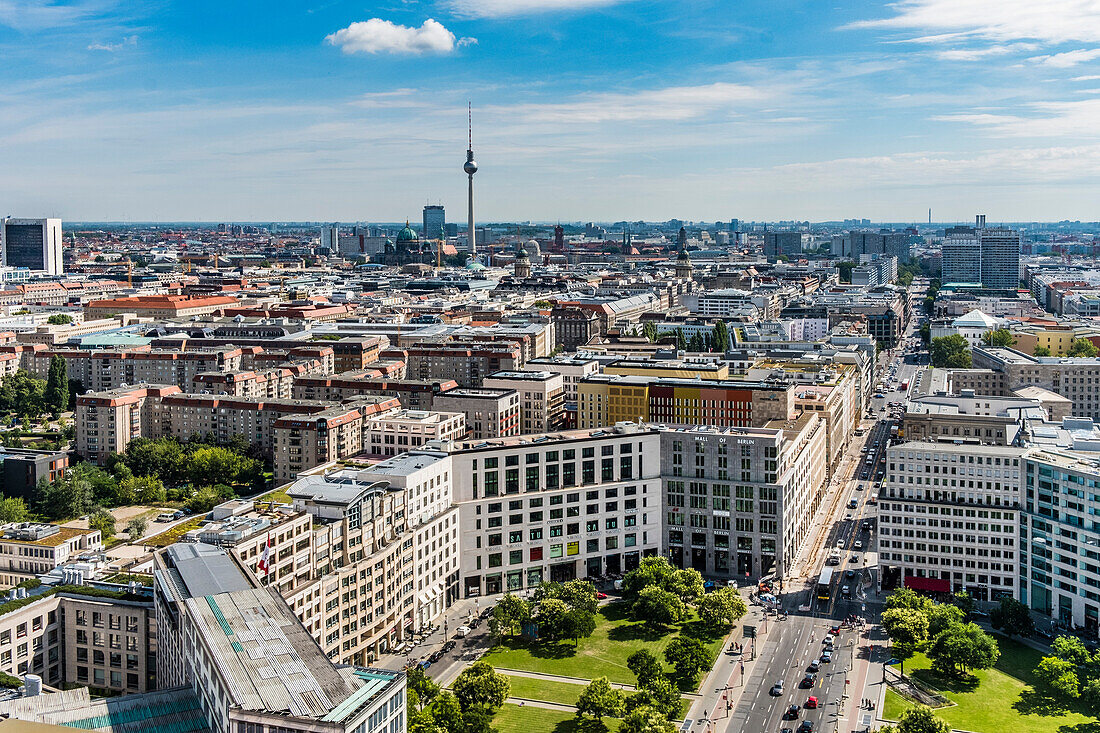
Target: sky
{"x": 582, "y": 109}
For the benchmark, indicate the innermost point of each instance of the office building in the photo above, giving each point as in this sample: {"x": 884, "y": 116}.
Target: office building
{"x": 490, "y": 413}
{"x": 738, "y": 502}
{"x": 949, "y": 517}
{"x": 435, "y": 222}
{"x": 541, "y": 398}
{"x": 981, "y": 256}
{"x": 32, "y": 243}
{"x": 778, "y": 244}
{"x": 29, "y": 549}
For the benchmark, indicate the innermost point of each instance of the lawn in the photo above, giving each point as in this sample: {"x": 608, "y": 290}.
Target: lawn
{"x": 565, "y": 693}
{"x": 604, "y": 653}
{"x": 171, "y": 536}
{"x": 1002, "y": 699}
{"x": 527, "y": 719}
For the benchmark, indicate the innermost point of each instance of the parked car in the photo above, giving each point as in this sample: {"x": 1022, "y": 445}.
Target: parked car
{"x": 448, "y": 645}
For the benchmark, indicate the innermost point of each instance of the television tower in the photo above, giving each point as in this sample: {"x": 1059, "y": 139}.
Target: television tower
{"x": 470, "y": 166}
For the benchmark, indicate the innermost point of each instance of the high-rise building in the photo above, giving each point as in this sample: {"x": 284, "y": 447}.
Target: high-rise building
{"x": 330, "y": 238}
{"x": 782, "y": 243}
{"x": 980, "y": 255}
{"x": 32, "y": 243}
{"x": 435, "y": 220}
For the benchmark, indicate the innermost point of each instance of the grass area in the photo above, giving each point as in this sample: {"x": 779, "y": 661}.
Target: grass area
{"x": 530, "y": 688}
{"x": 278, "y": 496}
{"x": 171, "y": 536}
{"x": 126, "y": 578}
{"x": 526, "y": 719}
{"x": 995, "y": 700}
{"x": 604, "y": 653}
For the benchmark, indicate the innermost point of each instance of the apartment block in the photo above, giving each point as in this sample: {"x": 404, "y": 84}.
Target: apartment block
{"x": 399, "y": 431}
{"x": 490, "y": 413}
{"x": 468, "y": 364}
{"x": 571, "y": 368}
{"x": 541, "y": 398}
{"x": 104, "y": 370}
{"x": 107, "y": 421}
{"x": 158, "y": 306}
{"x": 949, "y": 517}
{"x": 414, "y": 394}
{"x": 738, "y": 502}
{"x": 1077, "y": 379}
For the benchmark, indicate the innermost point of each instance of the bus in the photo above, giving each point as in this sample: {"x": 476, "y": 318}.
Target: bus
{"x": 904, "y": 385}
{"x": 824, "y": 584}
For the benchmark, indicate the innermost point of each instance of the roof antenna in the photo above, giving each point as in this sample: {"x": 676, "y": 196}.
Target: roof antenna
{"x": 470, "y": 122}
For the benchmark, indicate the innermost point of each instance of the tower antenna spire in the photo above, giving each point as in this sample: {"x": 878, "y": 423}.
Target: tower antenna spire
{"x": 470, "y": 123}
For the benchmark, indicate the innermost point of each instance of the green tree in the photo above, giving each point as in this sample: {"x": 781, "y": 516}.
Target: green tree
{"x": 952, "y": 352}
{"x": 649, "y": 330}
{"x": 1041, "y": 350}
{"x": 23, "y": 393}
{"x": 13, "y": 509}
{"x": 421, "y": 684}
{"x": 1057, "y": 678}
{"x": 696, "y": 342}
{"x": 577, "y": 624}
{"x": 658, "y": 607}
{"x": 67, "y": 497}
{"x": 1072, "y": 650}
{"x": 845, "y": 270}
{"x": 962, "y": 647}
{"x": 104, "y": 521}
{"x": 921, "y": 719}
{"x": 660, "y": 694}
{"x": 908, "y": 598}
{"x": 1082, "y": 347}
{"x": 550, "y": 616}
{"x": 1011, "y": 617}
{"x": 646, "y": 720}
{"x": 56, "y": 391}
{"x": 681, "y": 340}
{"x": 578, "y": 594}
{"x": 446, "y": 713}
{"x": 686, "y": 584}
{"x": 59, "y": 319}
{"x": 964, "y": 602}
{"x": 908, "y": 629}
{"x": 136, "y": 527}
{"x": 142, "y": 489}
{"x": 688, "y": 656}
{"x": 600, "y": 700}
{"x": 1090, "y": 695}
{"x": 1000, "y": 337}
{"x": 941, "y": 616}
{"x": 926, "y": 332}
{"x": 652, "y": 571}
{"x": 510, "y": 611}
{"x": 480, "y": 685}
{"x": 722, "y": 608}
{"x": 542, "y": 304}
{"x": 720, "y": 337}
{"x": 645, "y": 666}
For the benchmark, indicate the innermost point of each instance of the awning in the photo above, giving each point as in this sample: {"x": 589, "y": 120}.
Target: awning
{"x": 936, "y": 585}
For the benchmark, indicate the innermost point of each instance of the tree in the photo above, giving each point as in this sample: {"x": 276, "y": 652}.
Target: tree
{"x": 59, "y": 319}
{"x": 720, "y": 337}
{"x": 655, "y": 570}
{"x": 577, "y": 624}
{"x": 681, "y": 340}
{"x": 845, "y": 269}
{"x": 1041, "y": 350}
{"x": 1072, "y": 650}
{"x": 921, "y": 719}
{"x": 418, "y": 682}
{"x": 660, "y": 694}
{"x": 696, "y": 342}
{"x": 722, "y": 608}
{"x": 645, "y": 666}
{"x": 142, "y": 489}
{"x": 1011, "y": 617}
{"x": 646, "y": 720}
{"x": 687, "y": 584}
{"x": 104, "y": 521}
{"x": 64, "y": 498}
{"x": 13, "y": 510}
{"x": 964, "y": 602}
{"x": 22, "y": 393}
{"x": 600, "y": 700}
{"x": 136, "y": 527}
{"x": 550, "y": 616}
{"x": 480, "y": 685}
{"x": 1057, "y": 678}
{"x": 941, "y": 616}
{"x": 510, "y": 611}
{"x": 908, "y": 598}
{"x": 1083, "y": 348}
{"x": 926, "y": 332}
{"x": 962, "y": 647}
{"x": 1000, "y": 337}
{"x": 579, "y": 595}
{"x": 951, "y": 351}
{"x": 1090, "y": 695}
{"x": 649, "y": 330}
{"x": 907, "y": 628}
{"x": 658, "y": 607}
{"x": 688, "y": 656}
{"x": 56, "y": 391}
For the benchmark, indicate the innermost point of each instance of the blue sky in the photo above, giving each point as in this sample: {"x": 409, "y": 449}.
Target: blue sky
{"x": 583, "y": 109}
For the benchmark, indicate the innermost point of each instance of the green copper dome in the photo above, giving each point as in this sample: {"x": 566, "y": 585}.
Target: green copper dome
{"x": 407, "y": 235}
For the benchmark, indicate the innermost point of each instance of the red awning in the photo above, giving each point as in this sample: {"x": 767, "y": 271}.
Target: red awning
{"x": 937, "y": 585}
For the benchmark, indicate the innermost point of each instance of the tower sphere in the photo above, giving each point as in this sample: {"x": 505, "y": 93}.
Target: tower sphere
{"x": 470, "y": 166}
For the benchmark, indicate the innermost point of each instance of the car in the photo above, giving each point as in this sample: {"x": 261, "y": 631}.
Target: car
{"x": 853, "y": 503}
{"x": 462, "y": 632}
{"x": 849, "y": 573}
{"x": 787, "y": 730}
{"x": 487, "y": 612}
{"x": 859, "y": 487}
{"x": 792, "y": 712}
{"x": 777, "y": 688}
{"x": 436, "y": 656}
{"x": 829, "y": 639}
{"x": 475, "y": 623}
{"x": 811, "y": 703}
{"x": 601, "y": 596}
{"x": 834, "y": 629}
{"x": 806, "y": 727}
{"x": 840, "y": 544}
{"x": 809, "y": 680}
{"x": 845, "y": 590}
{"x": 828, "y": 647}
{"x": 858, "y": 545}
{"x": 826, "y": 657}
{"x": 865, "y": 525}
{"x": 448, "y": 645}
{"x": 814, "y": 666}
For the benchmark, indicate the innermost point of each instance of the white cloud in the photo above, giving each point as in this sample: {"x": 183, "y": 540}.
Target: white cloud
{"x": 1089, "y": 77}
{"x": 1050, "y": 119}
{"x": 1067, "y": 59}
{"x": 668, "y": 104}
{"x": 1051, "y": 21}
{"x": 504, "y": 8}
{"x": 126, "y": 42}
{"x": 973, "y": 54}
{"x": 383, "y": 36}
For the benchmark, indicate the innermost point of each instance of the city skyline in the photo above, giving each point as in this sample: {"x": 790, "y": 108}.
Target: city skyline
{"x": 587, "y": 110}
